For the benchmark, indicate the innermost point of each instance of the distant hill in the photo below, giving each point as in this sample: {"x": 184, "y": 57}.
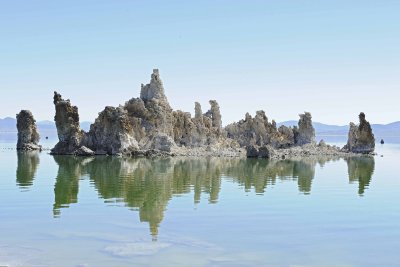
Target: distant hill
{"x": 321, "y": 128}
{"x": 9, "y": 125}
{"x": 380, "y": 130}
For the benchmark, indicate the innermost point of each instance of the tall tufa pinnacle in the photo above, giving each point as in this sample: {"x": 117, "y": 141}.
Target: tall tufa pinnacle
{"x": 154, "y": 90}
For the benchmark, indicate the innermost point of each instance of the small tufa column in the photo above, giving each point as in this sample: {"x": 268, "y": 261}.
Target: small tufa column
{"x": 198, "y": 114}
{"x": 360, "y": 137}
{"x": 215, "y": 114}
{"x": 28, "y": 136}
{"x": 305, "y": 133}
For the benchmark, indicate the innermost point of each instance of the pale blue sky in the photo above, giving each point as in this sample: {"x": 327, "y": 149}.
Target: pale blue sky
{"x": 332, "y": 58}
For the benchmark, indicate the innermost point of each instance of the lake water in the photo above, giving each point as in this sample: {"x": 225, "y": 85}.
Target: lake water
{"x": 109, "y": 211}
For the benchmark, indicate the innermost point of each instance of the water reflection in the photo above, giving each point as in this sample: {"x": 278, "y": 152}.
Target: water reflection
{"x": 361, "y": 170}
{"x": 66, "y": 187}
{"x": 147, "y": 185}
{"x": 28, "y": 163}
{"x": 141, "y": 184}
{"x": 258, "y": 174}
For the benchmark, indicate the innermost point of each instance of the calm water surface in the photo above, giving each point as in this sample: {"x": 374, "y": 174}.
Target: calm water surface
{"x": 109, "y": 211}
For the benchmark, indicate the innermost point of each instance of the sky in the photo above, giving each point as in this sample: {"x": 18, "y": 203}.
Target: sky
{"x": 331, "y": 58}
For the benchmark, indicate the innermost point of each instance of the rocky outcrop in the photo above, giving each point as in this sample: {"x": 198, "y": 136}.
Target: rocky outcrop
{"x": 214, "y": 114}
{"x": 305, "y": 133}
{"x": 254, "y": 151}
{"x": 252, "y": 131}
{"x": 144, "y": 124}
{"x": 28, "y": 136}
{"x": 154, "y": 91}
{"x": 148, "y": 126}
{"x": 198, "y": 114}
{"x": 307, "y": 150}
{"x": 84, "y": 151}
{"x": 162, "y": 143}
{"x": 151, "y": 115}
{"x": 360, "y": 138}
{"x": 112, "y": 133}
{"x": 69, "y": 133}
{"x": 283, "y": 138}
{"x": 258, "y": 131}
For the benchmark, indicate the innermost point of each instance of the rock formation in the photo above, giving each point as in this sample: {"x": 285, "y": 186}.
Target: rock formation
{"x": 69, "y": 133}
{"x": 112, "y": 133}
{"x": 259, "y": 132}
{"x": 360, "y": 138}
{"x": 214, "y": 114}
{"x": 252, "y": 131}
{"x": 141, "y": 125}
{"x": 148, "y": 126}
{"x": 28, "y": 136}
{"x": 154, "y": 91}
{"x": 254, "y": 151}
{"x": 198, "y": 114}
{"x": 305, "y": 133}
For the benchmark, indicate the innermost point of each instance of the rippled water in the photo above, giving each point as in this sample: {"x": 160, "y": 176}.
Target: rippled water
{"x": 109, "y": 211}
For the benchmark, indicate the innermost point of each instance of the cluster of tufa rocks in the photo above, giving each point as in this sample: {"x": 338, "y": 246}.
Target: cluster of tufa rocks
{"x": 262, "y": 138}
{"x": 143, "y": 126}
{"x": 148, "y": 126}
{"x": 28, "y": 136}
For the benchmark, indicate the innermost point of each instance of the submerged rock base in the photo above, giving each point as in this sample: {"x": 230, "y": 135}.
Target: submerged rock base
{"x": 299, "y": 151}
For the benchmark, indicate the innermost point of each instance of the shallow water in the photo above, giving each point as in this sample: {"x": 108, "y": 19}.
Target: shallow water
{"x": 108, "y": 211}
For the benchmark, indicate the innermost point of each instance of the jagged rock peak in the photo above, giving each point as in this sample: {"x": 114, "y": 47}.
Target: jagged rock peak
{"x": 66, "y": 118}
{"x": 305, "y": 133}
{"x": 360, "y": 138}
{"x": 57, "y": 98}
{"x": 28, "y": 136}
{"x": 247, "y": 117}
{"x": 154, "y": 90}
{"x": 364, "y": 124}
{"x": 198, "y": 113}
{"x": 215, "y": 114}
{"x": 67, "y": 123}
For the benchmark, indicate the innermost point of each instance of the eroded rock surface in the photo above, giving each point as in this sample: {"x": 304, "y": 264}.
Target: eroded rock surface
{"x": 148, "y": 126}
{"x": 143, "y": 126}
{"x": 28, "y": 135}
{"x": 69, "y": 133}
{"x": 112, "y": 133}
{"x": 305, "y": 133}
{"x": 214, "y": 114}
{"x": 252, "y": 131}
{"x": 360, "y": 138}
{"x": 258, "y": 131}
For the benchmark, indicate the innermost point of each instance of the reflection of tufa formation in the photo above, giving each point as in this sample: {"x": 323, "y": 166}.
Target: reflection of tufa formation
{"x": 148, "y": 185}
{"x": 361, "y": 170}
{"x": 28, "y": 162}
